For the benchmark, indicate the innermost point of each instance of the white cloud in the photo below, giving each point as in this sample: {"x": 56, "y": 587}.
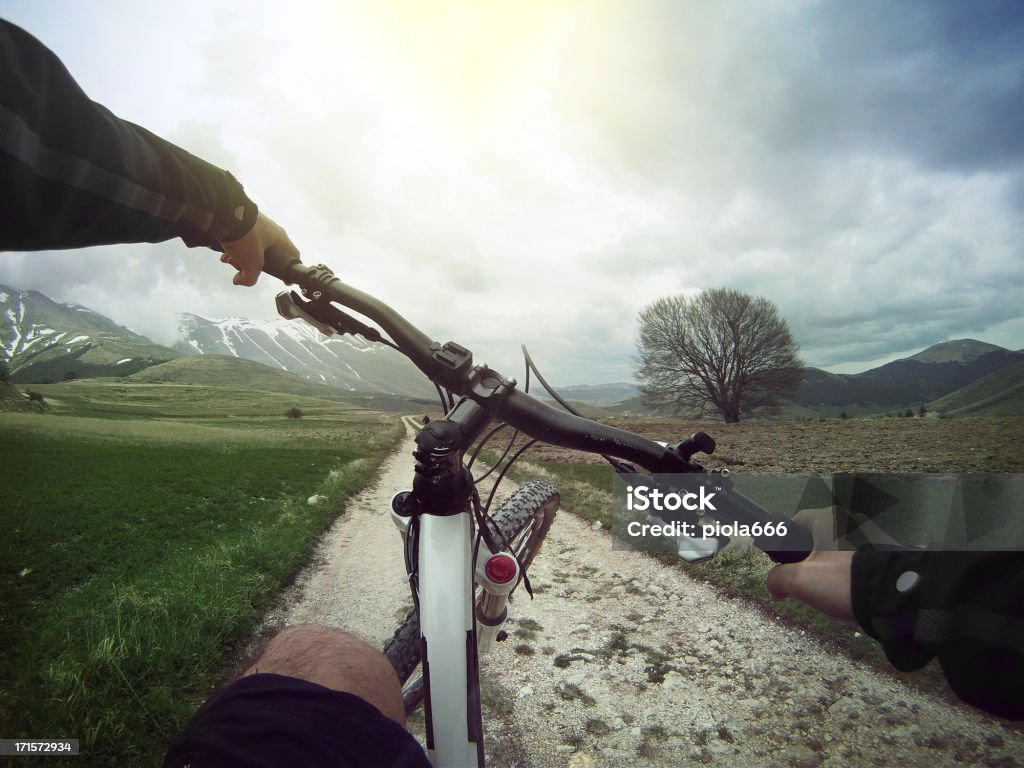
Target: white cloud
{"x": 551, "y": 171}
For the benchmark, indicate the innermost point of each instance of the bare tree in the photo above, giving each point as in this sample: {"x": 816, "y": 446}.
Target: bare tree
{"x": 721, "y": 350}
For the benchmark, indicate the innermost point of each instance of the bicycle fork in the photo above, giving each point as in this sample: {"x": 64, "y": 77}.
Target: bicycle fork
{"x": 439, "y": 510}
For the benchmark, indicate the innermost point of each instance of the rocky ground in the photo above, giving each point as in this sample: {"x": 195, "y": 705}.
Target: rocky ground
{"x": 622, "y": 661}
{"x": 854, "y": 445}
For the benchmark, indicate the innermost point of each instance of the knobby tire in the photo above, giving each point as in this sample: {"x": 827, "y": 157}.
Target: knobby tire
{"x": 521, "y": 523}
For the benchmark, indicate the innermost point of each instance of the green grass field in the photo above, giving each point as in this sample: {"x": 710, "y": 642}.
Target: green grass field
{"x": 138, "y": 553}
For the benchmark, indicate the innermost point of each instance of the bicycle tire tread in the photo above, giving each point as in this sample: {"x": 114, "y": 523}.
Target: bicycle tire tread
{"x": 403, "y": 649}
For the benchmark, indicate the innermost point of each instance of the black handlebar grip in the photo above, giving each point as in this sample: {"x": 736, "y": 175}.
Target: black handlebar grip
{"x": 792, "y": 547}
{"x": 797, "y": 541}
{"x": 281, "y": 265}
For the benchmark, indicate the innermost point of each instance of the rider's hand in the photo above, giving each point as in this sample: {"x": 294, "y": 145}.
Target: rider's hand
{"x": 822, "y": 580}
{"x": 246, "y": 253}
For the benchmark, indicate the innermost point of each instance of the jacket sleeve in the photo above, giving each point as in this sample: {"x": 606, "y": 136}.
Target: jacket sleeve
{"x": 966, "y": 608}
{"x": 74, "y": 174}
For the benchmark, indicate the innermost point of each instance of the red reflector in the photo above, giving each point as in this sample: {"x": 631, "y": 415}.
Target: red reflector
{"x": 500, "y": 568}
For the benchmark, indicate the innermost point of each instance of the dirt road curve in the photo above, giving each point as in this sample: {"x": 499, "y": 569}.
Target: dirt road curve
{"x": 620, "y": 661}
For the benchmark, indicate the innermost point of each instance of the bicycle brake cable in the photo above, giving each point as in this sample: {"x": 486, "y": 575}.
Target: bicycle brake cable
{"x": 483, "y": 442}
{"x": 617, "y": 465}
{"x": 501, "y": 475}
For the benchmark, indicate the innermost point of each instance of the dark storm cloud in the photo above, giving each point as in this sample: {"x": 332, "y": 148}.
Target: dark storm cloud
{"x": 939, "y": 82}
{"x": 859, "y": 163}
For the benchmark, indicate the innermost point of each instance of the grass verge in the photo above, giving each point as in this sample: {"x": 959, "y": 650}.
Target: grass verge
{"x": 132, "y": 566}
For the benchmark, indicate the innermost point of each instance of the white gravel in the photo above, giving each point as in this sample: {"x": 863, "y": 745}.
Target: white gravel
{"x": 620, "y": 661}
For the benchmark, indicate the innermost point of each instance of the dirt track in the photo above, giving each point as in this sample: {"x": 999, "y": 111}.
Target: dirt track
{"x": 621, "y": 661}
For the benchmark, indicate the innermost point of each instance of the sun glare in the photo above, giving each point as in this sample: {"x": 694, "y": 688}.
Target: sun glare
{"x": 464, "y": 62}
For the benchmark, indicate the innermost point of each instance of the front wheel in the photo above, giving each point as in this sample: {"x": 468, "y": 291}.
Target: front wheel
{"x": 520, "y": 525}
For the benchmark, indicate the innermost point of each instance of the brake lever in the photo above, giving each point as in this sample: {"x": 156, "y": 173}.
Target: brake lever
{"x": 691, "y": 549}
{"x": 288, "y": 307}
{"x": 323, "y": 316}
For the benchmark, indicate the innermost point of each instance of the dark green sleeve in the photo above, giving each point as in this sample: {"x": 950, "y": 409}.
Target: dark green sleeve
{"x": 73, "y": 174}
{"x": 965, "y": 608}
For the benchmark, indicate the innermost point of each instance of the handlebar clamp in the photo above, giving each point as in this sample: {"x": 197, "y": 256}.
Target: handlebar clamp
{"x": 485, "y": 384}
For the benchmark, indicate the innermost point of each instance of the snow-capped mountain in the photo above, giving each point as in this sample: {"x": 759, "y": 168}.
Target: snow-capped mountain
{"x": 343, "y": 361}
{"x": 42, "y": 340}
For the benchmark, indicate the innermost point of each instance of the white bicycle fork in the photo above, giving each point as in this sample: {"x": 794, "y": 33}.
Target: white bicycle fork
{"x": 447, "y": 625}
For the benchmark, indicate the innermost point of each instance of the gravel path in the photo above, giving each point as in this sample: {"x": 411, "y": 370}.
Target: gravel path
{"x": 620, "y": 661}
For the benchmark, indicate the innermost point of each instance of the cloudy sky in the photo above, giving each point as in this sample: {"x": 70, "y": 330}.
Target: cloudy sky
{"x": 539, "y": 171}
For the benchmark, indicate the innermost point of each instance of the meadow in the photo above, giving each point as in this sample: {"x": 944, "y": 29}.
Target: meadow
{"x": 148, "y": 526}
{"x": 139, "y": 550}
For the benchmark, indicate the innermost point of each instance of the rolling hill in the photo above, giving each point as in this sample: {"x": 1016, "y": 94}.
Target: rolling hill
{"x": 998, "y": 394}
{"x": 957, "y": 377}
{"x": 42, "y": 340}
{"x": 926, "y": 376}
{"x": 348, "y": 362}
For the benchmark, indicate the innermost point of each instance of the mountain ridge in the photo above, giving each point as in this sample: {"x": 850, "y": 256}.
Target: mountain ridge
{"x": 350, "y": 363}
{"x": 907, "y": 380}
{"x": 43, "y": 340}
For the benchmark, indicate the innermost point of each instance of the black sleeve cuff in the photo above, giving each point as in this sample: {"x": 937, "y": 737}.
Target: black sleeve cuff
{"x": 885, "y": 589}
{"x": 241, "y": 216}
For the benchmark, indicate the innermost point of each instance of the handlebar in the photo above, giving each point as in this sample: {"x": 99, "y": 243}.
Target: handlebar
{"x": 450, "y": 366}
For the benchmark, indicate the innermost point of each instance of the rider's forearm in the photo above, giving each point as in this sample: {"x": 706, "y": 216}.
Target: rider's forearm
{"x": 966, "y": 608}
{"x": 77, "y": 175}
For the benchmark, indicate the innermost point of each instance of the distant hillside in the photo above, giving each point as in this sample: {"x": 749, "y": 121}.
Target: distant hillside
{"x": 945, "y": 370}
{"x": 221, "y": 370}
{"x": 234, "y": 372}
{"x": 594, "y": 394}
{"x": 635, "y": 406}
{"x": 926, "y": 376}
{"x": 998, "y": 394}
{"x": 958, "y": 351}
{"x": 42, "y": 340}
